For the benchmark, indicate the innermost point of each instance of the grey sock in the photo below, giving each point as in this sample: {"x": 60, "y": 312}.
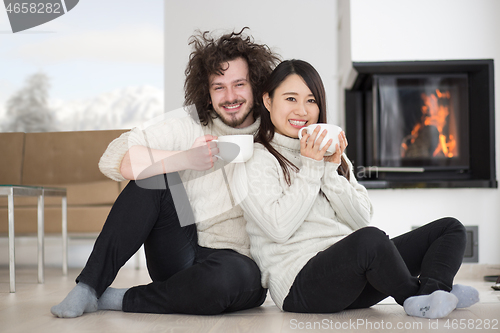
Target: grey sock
{"x": 439, "y": 304}
{"x": 466, "y": 295}
{"x": 78, "y": 301}
{"x": 111, "y": 299}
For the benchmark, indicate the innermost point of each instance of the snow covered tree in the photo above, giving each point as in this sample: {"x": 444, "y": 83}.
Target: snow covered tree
{"x": 28, "y": 110}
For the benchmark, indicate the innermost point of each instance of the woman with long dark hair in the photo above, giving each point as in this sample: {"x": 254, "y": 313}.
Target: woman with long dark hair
{"x": 307, "y": 219}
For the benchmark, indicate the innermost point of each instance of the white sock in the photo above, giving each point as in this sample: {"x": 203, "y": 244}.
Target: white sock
{"x": 111, "y": 299}
{"x": 466, "y": 295}
{"x": 78, "y": 301}
{"x": 439, "y": 304}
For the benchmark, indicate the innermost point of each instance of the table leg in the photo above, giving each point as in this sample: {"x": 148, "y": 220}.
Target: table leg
{"x": 12, "y": 256}
{"x": 65, "y": 235}
{"x": 41, "y": 238}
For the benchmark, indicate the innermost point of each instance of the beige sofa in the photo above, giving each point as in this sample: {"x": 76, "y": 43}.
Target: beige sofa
{"x": 58, "y": 159}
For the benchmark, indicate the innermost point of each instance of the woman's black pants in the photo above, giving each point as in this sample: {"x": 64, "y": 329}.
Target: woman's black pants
{"x": 365, "y": 267}
{"x": 187, "y": 278}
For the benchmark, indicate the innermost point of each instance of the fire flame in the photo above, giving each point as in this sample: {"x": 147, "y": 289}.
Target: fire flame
{"x": 435, "y": 112}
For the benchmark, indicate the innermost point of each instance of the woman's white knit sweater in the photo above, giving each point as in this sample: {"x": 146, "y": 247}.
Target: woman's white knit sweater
{"x": 288, "y": 225}
{"x": 219, "y": 219}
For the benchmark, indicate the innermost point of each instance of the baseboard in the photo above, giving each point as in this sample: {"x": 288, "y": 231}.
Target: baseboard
{"x": 476, "y": 271}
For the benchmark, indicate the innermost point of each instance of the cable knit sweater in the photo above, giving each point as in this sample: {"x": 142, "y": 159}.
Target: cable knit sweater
{"x": 219, "y": 219}
{"x": 288, "y": 225}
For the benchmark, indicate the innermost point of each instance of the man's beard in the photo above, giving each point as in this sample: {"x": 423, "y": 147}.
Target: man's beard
{"x": 233, "y": 121}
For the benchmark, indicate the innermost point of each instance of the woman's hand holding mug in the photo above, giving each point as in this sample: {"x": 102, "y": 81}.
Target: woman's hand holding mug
{"x": 339, "y": 150}
{"x": 330, "y": 138}
{"x": 310, "y": 147}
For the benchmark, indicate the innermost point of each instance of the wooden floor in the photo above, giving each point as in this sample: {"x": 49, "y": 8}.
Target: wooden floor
{"x": 28, "y": 310}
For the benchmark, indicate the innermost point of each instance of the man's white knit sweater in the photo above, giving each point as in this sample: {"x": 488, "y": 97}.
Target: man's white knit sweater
{"x": 288, "y": 225}
{"x": 219, "y": 220}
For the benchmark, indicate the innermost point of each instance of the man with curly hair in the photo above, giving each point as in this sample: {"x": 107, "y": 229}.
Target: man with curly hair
{"x": 178, "y": 203}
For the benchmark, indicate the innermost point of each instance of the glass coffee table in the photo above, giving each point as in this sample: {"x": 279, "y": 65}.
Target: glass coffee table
{"x": 11, "y": 191}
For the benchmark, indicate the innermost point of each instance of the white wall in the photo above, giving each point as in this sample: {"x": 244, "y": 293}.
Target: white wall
{"x": 298, "y": 29}
{"x": 393, "y": 30}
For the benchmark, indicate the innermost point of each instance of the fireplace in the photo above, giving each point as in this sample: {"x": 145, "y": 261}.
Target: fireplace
{"x": 422, "y": 124}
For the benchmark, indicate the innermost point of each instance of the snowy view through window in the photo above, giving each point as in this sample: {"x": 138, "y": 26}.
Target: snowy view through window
{"x": 31, "y": 109}
{"x": 119, "y": 109}
{"x": 85, "y": 70}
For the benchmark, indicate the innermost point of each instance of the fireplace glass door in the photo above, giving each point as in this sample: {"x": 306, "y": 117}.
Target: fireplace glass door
{"x": 421, "y": 121}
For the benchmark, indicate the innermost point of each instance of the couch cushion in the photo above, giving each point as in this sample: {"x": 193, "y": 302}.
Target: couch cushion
{"x": 65, "y": 157}
{"x": 94, "y": 193}
{"x": 11, "y": 157}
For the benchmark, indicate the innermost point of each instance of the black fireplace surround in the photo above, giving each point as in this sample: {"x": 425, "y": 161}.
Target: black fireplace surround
{"x": 422, "y": 124}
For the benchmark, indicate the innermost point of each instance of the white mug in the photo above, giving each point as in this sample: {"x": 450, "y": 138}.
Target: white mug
{"x": 235, "y": 148}
{"x": 333, "y": 133}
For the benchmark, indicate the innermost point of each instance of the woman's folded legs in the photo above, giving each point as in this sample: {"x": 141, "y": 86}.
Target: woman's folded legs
{"x": 336, "y": 278}
{"x": 434, "y": 252}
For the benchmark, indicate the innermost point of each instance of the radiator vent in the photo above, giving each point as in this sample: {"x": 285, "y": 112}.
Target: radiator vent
{"x": 471, "y": 249}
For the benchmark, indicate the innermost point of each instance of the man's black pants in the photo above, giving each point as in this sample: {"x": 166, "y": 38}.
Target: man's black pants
{"x": 187, "y": 278}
